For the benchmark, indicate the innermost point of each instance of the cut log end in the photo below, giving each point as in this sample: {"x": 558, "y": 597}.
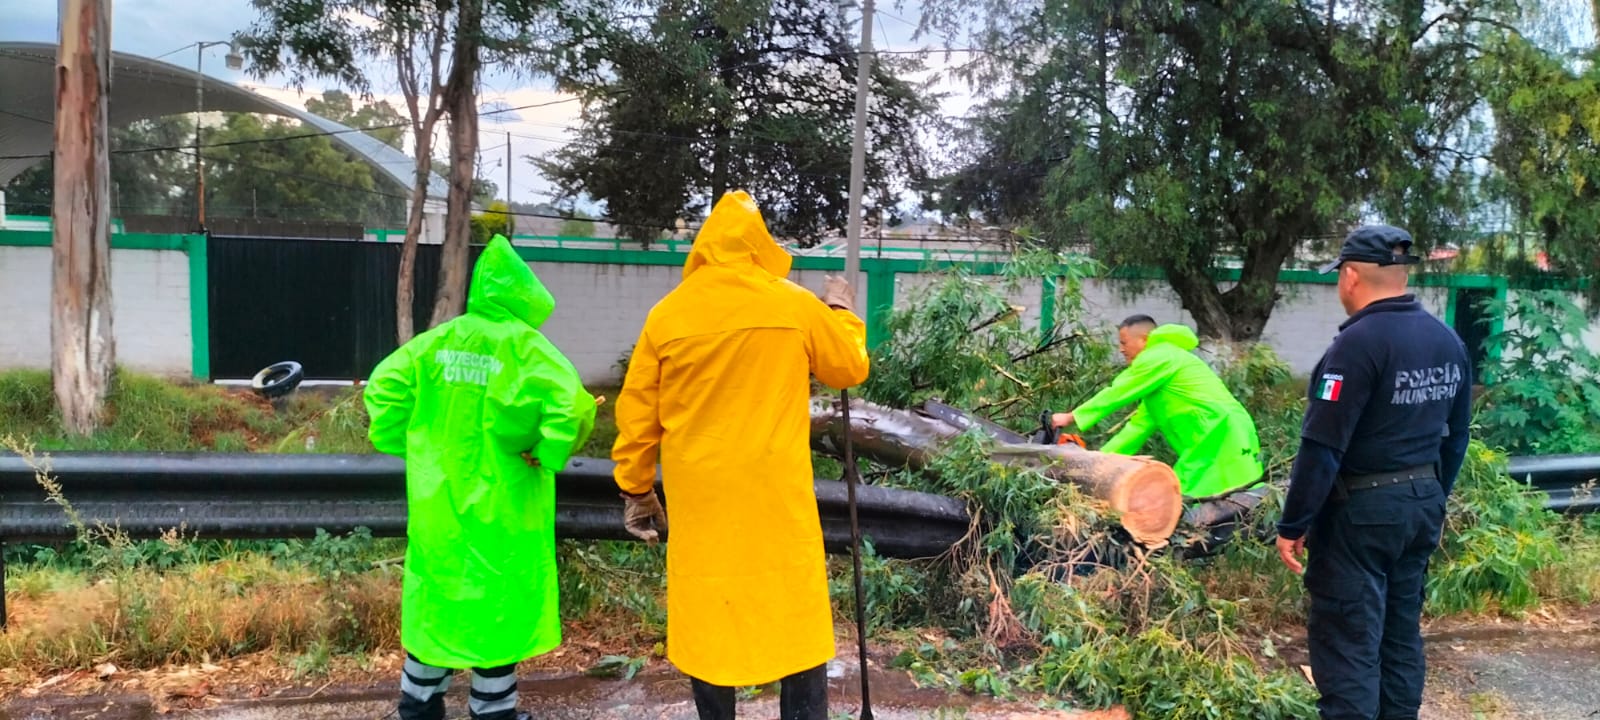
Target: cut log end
{"x": 1150, "y": 501}
{"x": 1144, "y": 492}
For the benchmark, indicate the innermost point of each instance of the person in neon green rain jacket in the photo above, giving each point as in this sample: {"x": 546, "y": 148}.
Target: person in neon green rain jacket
{"x": 1179, "y": 395}
{"x": 484, "y": 410}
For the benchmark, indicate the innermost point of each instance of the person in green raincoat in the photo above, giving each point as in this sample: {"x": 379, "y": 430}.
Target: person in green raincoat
{"x": 484, "y": 410}
{"x": 1180, "y": 396}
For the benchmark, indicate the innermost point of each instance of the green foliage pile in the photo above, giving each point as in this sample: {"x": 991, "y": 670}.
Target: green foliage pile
{"x": 1083, "y": 616}
{"x": 1499, "y": 536}
{"x": 1047, "y": 597}
{"x": 962, "y": 341}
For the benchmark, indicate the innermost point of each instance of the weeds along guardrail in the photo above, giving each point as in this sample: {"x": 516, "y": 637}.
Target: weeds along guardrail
{"x": 259, "y": 496}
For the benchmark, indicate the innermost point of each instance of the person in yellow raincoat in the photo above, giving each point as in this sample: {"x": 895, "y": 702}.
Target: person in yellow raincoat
{"x": 719, "y": 386}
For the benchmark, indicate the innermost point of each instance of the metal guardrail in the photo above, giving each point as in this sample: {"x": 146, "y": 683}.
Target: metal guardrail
{"x": 243, "y": 496}
{"x": 247, "y": 495}
{"x": 1569, "y": 480}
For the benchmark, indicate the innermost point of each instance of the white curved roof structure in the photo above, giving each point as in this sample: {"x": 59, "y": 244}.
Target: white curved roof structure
{"x": 143, "y": 88}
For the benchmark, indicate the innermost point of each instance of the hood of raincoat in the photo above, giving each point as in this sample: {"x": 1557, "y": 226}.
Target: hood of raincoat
{"x": 504, "y": 287}
{"x": 735, "y": 234}
{"x": 1178, "y": 335}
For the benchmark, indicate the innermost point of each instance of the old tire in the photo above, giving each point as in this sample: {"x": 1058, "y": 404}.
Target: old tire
{"x": 278, "y": 380}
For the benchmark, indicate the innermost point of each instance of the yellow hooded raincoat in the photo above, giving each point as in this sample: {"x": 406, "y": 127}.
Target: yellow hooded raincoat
{"x": 719, "y": 386}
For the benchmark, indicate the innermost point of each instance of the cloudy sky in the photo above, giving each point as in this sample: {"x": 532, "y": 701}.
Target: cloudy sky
{"x": 163, "y": 28}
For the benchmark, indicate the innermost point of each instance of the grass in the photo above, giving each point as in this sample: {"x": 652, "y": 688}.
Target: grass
{"x": 605, "y": 424}
{"x": 146, "y": 413}
{"x": 107, "y": 599}
{"x": 1574, "y": 578}
{"x": 148, "y": 617}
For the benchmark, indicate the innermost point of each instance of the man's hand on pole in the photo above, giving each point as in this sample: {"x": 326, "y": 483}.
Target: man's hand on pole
{"x": 837, "y": 293}
{"x": 1061, "y": 420}
{"x": 1291, "y": 551}
{"x": 638, "y": 514}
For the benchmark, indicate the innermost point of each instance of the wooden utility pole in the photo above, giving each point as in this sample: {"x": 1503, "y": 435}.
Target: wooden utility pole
{"x": 83, "y": 350}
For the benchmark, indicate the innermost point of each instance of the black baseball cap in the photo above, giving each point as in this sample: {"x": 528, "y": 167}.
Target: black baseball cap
{"x": 1380, "y": 244}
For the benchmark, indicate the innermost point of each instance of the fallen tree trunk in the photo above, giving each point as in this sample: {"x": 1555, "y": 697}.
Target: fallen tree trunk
{"x": 1144, "y": 492}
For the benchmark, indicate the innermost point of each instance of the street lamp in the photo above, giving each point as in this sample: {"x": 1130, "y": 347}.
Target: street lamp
{"x": 234, "y": 62}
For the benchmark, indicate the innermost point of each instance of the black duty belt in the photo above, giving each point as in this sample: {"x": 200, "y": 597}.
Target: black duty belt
{"x": 1352, "y": 483}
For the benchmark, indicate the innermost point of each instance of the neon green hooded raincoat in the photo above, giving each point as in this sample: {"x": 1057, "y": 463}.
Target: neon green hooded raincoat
{"x": 1179, "y": 395}
{"x": 461, "y": 403}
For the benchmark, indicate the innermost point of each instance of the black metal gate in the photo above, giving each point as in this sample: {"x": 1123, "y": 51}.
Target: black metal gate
{"x": 1472, "y": 324}
{"x": 327, "y": 304}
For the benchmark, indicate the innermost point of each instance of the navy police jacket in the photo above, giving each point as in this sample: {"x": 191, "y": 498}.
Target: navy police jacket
{"x": 1393, "y": 391}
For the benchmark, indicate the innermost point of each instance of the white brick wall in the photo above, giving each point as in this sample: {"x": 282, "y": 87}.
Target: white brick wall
{"x": 149, "y": 305}
{"x": 602, "y": 307}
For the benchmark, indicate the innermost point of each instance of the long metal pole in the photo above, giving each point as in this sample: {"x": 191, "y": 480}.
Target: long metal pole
{"x": 510, "y": 218}
{"x": 199, "y": 163}
{"x": 858, "y": 149}
{"x": 852, "y": 275}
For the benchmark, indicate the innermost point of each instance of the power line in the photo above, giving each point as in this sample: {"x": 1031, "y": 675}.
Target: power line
{"x": 381, "y": 193}
{"x": 286, "y": 138}
{"x": 638, "y": 152}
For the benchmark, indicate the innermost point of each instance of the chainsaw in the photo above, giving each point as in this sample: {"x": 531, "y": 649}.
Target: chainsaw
{"x": 1049, "y": 434}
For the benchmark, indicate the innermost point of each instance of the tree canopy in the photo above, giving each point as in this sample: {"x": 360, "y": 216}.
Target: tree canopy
{"x": 686, "y": 99}
{"x": 142, "y": 183}
{"x": 1547, "y": 152}
{"x": 1200, "y": 135}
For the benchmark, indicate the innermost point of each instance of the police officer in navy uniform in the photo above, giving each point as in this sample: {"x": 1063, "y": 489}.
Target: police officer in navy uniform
{"x": 1384, "y": 436}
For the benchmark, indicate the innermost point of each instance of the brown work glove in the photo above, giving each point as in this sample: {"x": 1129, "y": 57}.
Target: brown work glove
{"x": 639, "y": 511}
{"x": 837, "y": 293}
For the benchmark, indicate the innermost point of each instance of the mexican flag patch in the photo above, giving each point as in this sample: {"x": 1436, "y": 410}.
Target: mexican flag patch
{"x": 1331, "y": 385}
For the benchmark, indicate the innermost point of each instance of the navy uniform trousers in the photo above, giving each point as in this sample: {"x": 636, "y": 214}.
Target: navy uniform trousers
{"x": 1367, "y": 561}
